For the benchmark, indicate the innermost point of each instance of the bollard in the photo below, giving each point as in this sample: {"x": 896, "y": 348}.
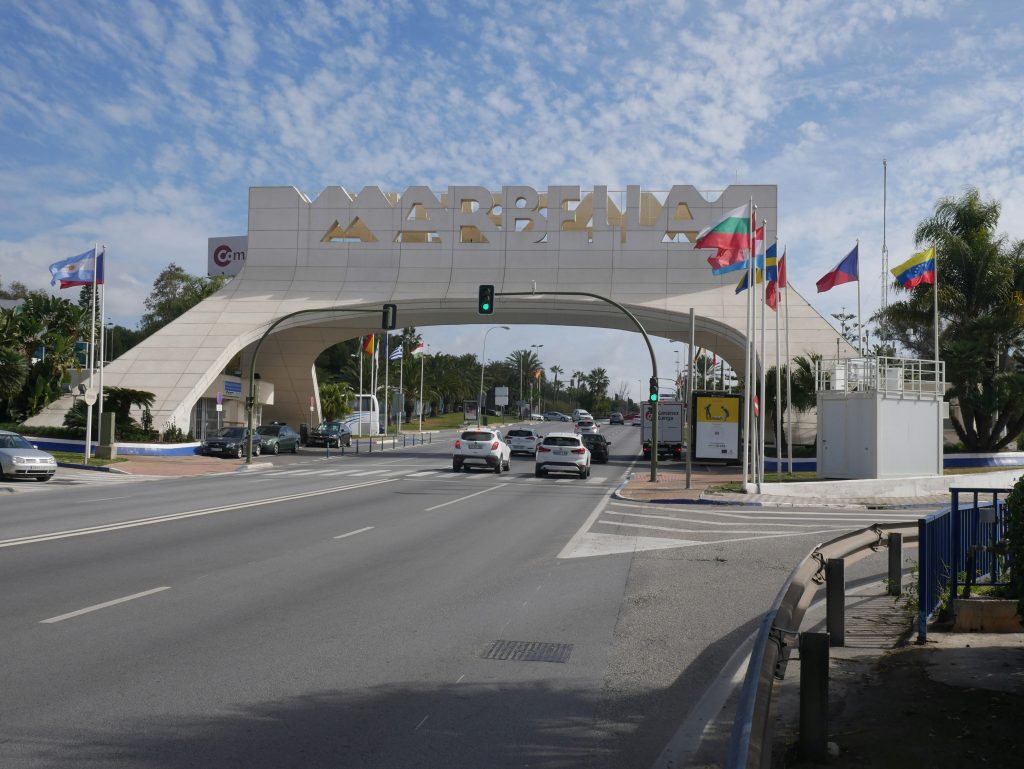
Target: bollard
{"x": 895, "y": 564}
{"x": 835, "y": 601}
{"x": 814, "y": 696}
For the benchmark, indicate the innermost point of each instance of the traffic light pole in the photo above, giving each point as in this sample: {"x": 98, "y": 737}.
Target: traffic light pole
{"x": 389, "y": 316}
{"x": 650, "y": 349}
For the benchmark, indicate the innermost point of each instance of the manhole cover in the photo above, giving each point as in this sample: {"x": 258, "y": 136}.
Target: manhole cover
{"x": 528, "y": 651}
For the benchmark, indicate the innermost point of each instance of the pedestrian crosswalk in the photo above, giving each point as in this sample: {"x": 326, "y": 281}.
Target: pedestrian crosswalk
{"x": 72, "y": 477}
{"x": 441, "y": 474}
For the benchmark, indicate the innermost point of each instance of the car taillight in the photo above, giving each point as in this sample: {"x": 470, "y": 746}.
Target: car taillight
{"x": 542, "y": 448}
{"x": 494, "y": 445}
{"x": 458, "y": 444}
{"x": 579, "y": 451}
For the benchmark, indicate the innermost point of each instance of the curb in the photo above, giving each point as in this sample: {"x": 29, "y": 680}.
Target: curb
{"x": 94, "y": 468}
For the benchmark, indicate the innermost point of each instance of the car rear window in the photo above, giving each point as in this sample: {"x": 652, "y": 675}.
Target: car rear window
{"x": 559, "y": 440}
{"x": 520, "y": 433}
{"x": 477, "y": 436}
{"x": 596, "y": 438}
{"x": 586, "y": 422}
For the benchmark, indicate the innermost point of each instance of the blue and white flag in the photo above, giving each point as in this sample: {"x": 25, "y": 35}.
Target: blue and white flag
{"x": 82, "y": 270}
{"x": 396, "y": 354}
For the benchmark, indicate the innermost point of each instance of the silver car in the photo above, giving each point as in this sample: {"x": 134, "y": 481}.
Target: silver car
{"x": 20, "y": 459}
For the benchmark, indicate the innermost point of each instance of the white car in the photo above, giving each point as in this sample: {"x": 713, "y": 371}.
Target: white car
{"x": 587, "y": 426}
{"x": 523, "y": 440}
{"x": 481, "y": 447}
{"x": 20, "y": 459}
{"x": 579, "y": 414}
{"x": 636, "y": 421}
{"x": 562, "y": 452}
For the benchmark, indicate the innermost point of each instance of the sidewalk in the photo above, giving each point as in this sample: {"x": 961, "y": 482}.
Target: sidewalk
{"x": 671, "y": 487}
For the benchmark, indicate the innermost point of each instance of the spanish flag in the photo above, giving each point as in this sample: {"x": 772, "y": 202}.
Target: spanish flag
{"x": 537, "y": 373}
{"x": 368, "y": 344}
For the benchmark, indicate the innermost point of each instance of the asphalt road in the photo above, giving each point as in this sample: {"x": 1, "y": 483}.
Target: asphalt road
{"x": 345, "y": 612}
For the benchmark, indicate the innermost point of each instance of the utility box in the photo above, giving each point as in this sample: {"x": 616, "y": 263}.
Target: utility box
{"x": 106, "y": 448}
{"x": 880, "y": 418}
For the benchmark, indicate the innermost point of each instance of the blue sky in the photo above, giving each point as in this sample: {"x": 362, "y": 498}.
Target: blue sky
{"x": 142, "y": 124}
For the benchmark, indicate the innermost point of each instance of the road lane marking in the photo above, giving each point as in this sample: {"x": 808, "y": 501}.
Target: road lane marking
{"x": 179, "y": 516}
{"x": 462, "y": 499}
{"x": 104, "y": 605}
{"x": 353, "y": 533}
{"x": 421, "y": 722}
{"x": 422, "y": 473}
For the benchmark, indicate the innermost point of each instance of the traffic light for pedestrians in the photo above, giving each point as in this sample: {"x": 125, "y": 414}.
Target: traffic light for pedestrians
{"x": 653, "y": 397}
{"x": 389, "y": 317}
{"x": 485, "y": 305}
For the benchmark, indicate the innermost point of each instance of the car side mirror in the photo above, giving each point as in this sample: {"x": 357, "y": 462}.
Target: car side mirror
{"x": 608, "y": 443}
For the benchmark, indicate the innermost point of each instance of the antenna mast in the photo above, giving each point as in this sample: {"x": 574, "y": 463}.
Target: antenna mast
{"x": 885, "y": 248}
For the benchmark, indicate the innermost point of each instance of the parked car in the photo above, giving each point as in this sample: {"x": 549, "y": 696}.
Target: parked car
{"x": 333, "y": 434}
{"x": 556, "y": 416}
{"x": 587, "y": 426}
{"x": 481, "y": 447}
{"x": 616, "y": 418}
{"x": 230, "y": 442}
{"x": 20, "y": 459}
{"x": 522, "y": 440}
{"x": 278, "y": 437}
{"x": 562, "y": 452}
{"x": 598, "y": 446}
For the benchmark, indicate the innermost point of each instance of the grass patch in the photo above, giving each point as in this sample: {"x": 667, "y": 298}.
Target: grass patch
{"x": 975, "y": 470}
{"x": 78, "y": 458}
{"x": 736, "y": 487}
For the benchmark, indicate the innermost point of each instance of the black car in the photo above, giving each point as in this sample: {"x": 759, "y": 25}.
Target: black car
{"x": 598, "y": 446}
{"x": 616, "y": 418}
{"x": 230, "y": 442}
{"x": 278, "y": 437}
{"x": 334, "y": 434}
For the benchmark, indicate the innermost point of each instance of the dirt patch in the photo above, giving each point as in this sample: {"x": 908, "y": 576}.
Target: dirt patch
{"x": 898, "y": 716}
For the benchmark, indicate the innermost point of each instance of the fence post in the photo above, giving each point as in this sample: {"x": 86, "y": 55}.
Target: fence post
{"x": 924, "y": 569}
{"x": 954, "y": 546}
{"x": 814, "y": 696}
{"x": 835, "y": 600}
{"x": 895, "y": 564}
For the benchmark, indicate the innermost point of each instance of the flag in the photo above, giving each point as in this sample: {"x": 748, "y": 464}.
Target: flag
{"x": 757, "y": 406}
{"x": 396, "y": 354}
{"x": 771, "y": 295}
{"x": 82, "y": 270}
{"x": 782, "y": 270}
{"x": 732, "y": 232}
{"x": 418, "y": 349}
{"x": 742, "y": 285}
{"x": 771, "y": 262}
{"x": 537, "y": 373}
{"x": 368, "y": 344}
{"x": 846, "y": 271}
{"x": 917, "y": 270}
{"x": 733, "y": 259}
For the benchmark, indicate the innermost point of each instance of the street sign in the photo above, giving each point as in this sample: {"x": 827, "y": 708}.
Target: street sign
{"x": 311, "y": 407}
{"x": 220, "y": 398}
{"x": 220, "y": 407}
{"x": 90, "y": 396}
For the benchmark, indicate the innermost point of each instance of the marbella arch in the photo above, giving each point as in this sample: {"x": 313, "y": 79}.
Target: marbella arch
{"x": 428, "y": 252}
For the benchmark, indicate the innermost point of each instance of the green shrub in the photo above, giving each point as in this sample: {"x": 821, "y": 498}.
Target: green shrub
{"x": 1015, "y": 537}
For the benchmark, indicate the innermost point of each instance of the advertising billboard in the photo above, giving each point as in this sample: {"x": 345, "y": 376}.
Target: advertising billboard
{"x": 226, "y": 255}
{"x": 716, "y": 426}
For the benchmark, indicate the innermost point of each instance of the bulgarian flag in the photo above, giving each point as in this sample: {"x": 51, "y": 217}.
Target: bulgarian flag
{"x": 731, "y": 233}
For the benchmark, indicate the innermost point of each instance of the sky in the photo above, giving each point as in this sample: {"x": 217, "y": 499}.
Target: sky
{"x": 142, "y": 125}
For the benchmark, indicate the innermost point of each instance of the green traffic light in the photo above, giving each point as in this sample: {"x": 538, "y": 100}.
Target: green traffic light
{"x": 485, "y": 306}
{"x": 654, "y": 397}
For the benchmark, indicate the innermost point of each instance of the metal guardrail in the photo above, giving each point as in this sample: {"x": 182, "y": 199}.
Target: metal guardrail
{"x": 750, "y": 744}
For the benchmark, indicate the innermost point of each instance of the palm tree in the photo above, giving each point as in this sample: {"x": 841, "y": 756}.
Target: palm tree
{"x": 598, "y": 382}
{"x": 804, "y": 391}
{"x": 13, "y": 371}
{"x": 525, "y": 362}
{"x": 981, "y": 293}
{"x": 556, "y": 370}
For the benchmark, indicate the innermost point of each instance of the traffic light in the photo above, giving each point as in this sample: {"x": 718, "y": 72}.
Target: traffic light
{"x": 653, "y": 397}
{"x": 389, "y": 317}
{"x": 485, "y": 305}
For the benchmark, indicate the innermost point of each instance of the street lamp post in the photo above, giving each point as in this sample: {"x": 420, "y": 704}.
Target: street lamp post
{"x": 483, "y": 359}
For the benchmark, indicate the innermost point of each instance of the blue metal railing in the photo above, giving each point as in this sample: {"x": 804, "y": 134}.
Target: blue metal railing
{"x": 953, "y": 539}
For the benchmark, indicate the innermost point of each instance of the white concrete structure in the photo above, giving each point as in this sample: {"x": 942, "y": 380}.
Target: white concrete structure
{"x": 428, "y": 252}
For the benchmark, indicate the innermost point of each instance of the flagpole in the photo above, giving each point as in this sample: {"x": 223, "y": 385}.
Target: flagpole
{"x": 778, "y": 376}
{"x": 373, "y": 387}
{"x": 361, "y": 391}
{"x": 746, "y": 351}
{"x": 935, "y": 294}
{"x": 92, "y": 360}
{"x": 764, "y": 359}
{"x": 789, "y": 382}
{"x": 103, "y": 314}
{"x": 422, "y": 356}
{"x": 860, "y": 325}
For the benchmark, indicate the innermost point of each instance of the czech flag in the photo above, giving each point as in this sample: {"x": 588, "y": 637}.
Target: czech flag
{"x": 918, "y": 269}
{"x": 847, "y": 271}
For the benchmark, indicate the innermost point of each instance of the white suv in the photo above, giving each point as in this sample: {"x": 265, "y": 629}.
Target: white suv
{"x": 579, "y": 414}
{"x": 481, "y": 447}
{"x": 523, "y": 440}
{"x": 562, "y": 452}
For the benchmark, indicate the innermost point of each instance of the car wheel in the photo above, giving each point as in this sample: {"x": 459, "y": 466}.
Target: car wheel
{"x": 277, "y": 450}
{"x": 508, "y": 464}
{"x": 239, "y": 452}
{"x": 295, "y": 447}
{"x": 257, "y": 450}
{"x": 497, "y": 467}
{"x": 456, "y": 466}
{"x": 538, "y": 473}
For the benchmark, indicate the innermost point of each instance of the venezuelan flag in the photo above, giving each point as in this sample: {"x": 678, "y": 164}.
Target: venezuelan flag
{"x": 918, "y": 269}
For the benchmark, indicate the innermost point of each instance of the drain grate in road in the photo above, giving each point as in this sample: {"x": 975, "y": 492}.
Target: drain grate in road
{"x": 528, "y": 651}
